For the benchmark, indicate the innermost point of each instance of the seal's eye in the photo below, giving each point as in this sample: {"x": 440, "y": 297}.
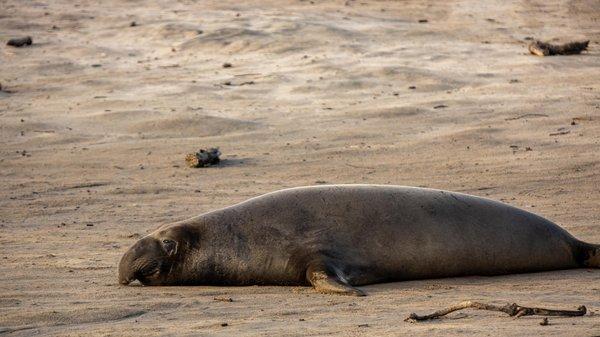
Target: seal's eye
{"x": 170, "y": 246}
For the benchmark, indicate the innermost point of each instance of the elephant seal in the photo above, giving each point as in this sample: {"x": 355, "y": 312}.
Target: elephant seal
{"x": 340, "y": 236}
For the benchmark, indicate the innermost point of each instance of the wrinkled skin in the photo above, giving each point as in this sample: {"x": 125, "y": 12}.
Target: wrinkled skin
{"x": 336, "y": 237}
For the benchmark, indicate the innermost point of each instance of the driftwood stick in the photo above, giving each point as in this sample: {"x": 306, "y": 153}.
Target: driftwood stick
{"x": 203, "y": 157}
{"x": 513, "y": 310}
{"x": 540, "y": 48}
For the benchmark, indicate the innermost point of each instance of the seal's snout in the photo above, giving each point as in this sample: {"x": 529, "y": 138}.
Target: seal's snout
{"x": 124, "y": 281}
{"x": 124, "y": 276}
{"x": 126, "y": 270}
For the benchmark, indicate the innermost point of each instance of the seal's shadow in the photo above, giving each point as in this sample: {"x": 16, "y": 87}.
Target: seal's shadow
{"x": 229, "y": 162}
{"x": 468, "y": 283}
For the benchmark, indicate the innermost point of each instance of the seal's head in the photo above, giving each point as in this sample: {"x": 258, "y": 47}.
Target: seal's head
{"x": 154, "y": 259}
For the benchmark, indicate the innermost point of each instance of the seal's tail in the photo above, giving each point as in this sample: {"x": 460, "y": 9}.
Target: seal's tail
{"x": 590, "y": 255}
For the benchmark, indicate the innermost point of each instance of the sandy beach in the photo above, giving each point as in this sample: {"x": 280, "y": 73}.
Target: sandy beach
{"x": 98, "y": 114}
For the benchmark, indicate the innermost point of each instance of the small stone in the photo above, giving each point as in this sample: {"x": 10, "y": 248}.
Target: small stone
{"x": 20, "y": 41}
{"x": 223, "y": 299}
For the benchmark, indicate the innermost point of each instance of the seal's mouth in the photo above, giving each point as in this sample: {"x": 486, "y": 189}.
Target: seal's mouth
{"x": 126, "y": 278}
{"x": 146, "y": 276}
{"x": 125, "y": 281}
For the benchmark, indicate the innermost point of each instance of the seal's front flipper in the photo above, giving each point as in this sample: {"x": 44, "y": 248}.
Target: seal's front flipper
{"x": 327, "y": 282}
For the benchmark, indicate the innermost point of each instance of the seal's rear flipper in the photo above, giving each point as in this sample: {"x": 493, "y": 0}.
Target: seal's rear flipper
{"x": 327, "y": 282}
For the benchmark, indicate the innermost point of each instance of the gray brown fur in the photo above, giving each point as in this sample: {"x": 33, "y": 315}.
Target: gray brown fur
{"x": 339, "y": 236}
